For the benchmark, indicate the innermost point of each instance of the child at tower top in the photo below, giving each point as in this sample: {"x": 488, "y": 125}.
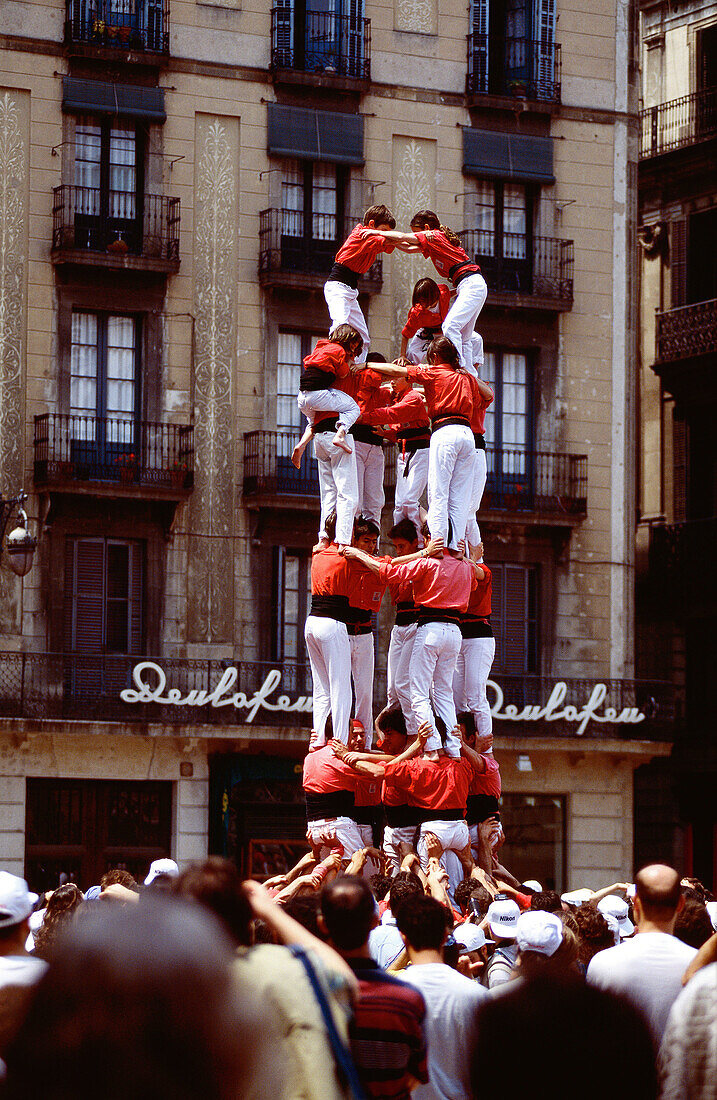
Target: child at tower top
{"x": 356, "y": 255}
{"x": 441, "y": 245}
{"x": 329, "y": 362}
{"x": 429, "y": 307}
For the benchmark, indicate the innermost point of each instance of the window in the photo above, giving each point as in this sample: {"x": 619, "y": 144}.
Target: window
{"x": 508, "y": 426}
{"x": 534, "y": 826}
{"x": 512, "y": 48}
{"x": 292, "y": 598}
{"x": 324, "y": 36}
{"x": 103, "y": 599}
{"x": 514, "y": 618}
{"x": 107, "y": 181}
{"x": 293, "y": 347}
{"x": 312, "y": 215}
{"x": 503, "y": 233}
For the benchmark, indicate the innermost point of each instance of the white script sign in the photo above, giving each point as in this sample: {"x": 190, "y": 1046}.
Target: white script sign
{"x": 150, "y": 682}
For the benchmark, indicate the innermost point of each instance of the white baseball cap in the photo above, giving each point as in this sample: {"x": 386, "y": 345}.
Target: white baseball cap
{"x": 16, "y": 900}
{"x": 539, "y": 931}
{"x": 161, "y": 867}
{"x": 503, "y": 918}
{"x": 576, "y": 897}
{"x": 470, "y": 936}
{"x": 619, "y": 909}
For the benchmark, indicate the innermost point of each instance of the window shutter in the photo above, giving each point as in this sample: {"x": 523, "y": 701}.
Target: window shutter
{"x": 89, "y": 596}
{"x": 480, "y": 30}
{"x": 544, "y": 48}
{"x": 497, "y": 612}
{"x": 679, "y": 469}
{"x": 515, "y": 616}
{"x": 284, "y": 33}
{"x": 678, "y": 262}
{"x": 277, "y": 608}
{"x": 354, "y": 9}
{"x": 136, "y": 589}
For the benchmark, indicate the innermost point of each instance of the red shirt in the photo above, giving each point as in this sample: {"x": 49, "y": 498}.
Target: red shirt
{"x": 366, "y": 388}
{"x": 368, "y": 791}
{"x": 479, "y": 409}
{"x": 445, "y": 256}
{"x": 326, "y": 363}
{"x": 448, "y": 392}
{"x": 409, "y": 411}
{"x": 330, "y": 572}
{"x": 437, "y": 582}
{"x": 487, "y": 782}
{"x": 361, "y": 248}
{"x": 479, "y": 603}
{"x": 365, "y": 588}
{"x": 421, "y": 317}
{"x": 443, "y": 785}
{"x": 324, "y": 773}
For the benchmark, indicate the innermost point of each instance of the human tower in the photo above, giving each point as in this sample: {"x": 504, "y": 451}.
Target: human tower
{"x": 432, "y": 778}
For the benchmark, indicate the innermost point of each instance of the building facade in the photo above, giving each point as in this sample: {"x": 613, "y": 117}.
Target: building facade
{"x": 176, "y": 178}
{"x": 677, "y": 529}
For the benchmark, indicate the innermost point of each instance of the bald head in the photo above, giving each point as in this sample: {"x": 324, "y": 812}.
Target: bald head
{"x": 657, "y": 888}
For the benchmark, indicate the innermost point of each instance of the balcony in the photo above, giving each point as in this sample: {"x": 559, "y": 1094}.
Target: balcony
{"x": 529, "y": 69}
{"x": 681, "y": 580}
{"x": 686, "y": 332}
{"x": 532, "y": 273}
{"x": 679, "y": 123}
{"x": 532, "y": 486}
{"x": 320, "y": 47}
{"x": 126, "y": 30}
{"x": 109, "y": 456}
{"x": 115, "y": 229}
{"x": 290, "y": 257}
{"x": 133, "y": 689}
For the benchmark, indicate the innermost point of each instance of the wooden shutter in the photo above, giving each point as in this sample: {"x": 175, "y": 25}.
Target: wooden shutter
{"x": 136, "y": 595}
{"x": 544, "y": 47}
{"x": 480, "y": 29}
{"x": 284, "y": 33}
{"x": 679, "y": 469}
{"x": 497, "y": 612}
{"x": 88, "y": 595}
{"x": 515, "y": 614}
{"x": 354, "y": 10}
{"x": 678, "y": 262}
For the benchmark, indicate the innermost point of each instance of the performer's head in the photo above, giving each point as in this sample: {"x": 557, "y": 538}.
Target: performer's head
{"x": 348, "y": 338}
{"x": 404, "y": 537}
{"x": 366, "y": 534}
{"x": 442, "y": 350}
{"x": 330, "y": 526}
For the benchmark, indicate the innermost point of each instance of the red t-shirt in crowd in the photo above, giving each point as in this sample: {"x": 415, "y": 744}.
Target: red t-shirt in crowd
{"x": 422, "y": 317}
{"x": 330, "y": 572}
{"x": 448, "y": 392}
{"x": 479, "y": 604}
{"x": 324, "y": 772}
{"x": 487, "y": 782}
{"x": 365, "y": 588}
{"x": 326, "y": 364}
{"x": 408, "y": 412}
{"x": 368, "y": 790}
{"x": 361, "y": 248}
{"x": 479, "y": 410}
{"x": 445, "y": 256}
{"x": 441, "y": 785}
{"x": 436, "y": 582}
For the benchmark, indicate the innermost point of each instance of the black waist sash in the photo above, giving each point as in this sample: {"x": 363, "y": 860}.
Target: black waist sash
{"x": 331, "y": 607}
{"x": 340, "y": 273}
{"x": 403, "y": 817}
{"x": 326, "y": 424}
{"x": 331, "y": 804}
{"x": 439, "y": 615}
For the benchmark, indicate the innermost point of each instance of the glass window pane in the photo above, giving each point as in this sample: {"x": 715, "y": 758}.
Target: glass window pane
{"x": 292, "y": 200}
{"x": 123, "y": 174}
{"x": 485, "y": 218}
{"x": 88, "y": 151}
{"x": 83, "y": 374}
{"x": 121, "y": 338}
{"x": 489, "y": 377}
{"x": 287, "y": 380}
{"x": 324, "y": 202}
{"x": 514, "y": 221}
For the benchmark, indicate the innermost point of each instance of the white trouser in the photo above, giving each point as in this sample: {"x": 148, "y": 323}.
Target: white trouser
{"x": 404, "y": 834}
{"x": 327, "y": 644}
{"x": 433, "y": 663}
{"x": 477, "y": 352}
{"x": 344, "y": 309}
{"x": 334, "y": 834}
{"x": 480, "y": 473}
{"x": 450, "y": 482}
{"x": 311, "y": 402}
{"x": 454, "y": 836}
{"x": 370, "y": 867}
{"x": 473, "y": 666}
{"x": 362, "y": 659}
{"x": 417, "y": 347}
{"x": 338, "y": 485}
{"x": 397, "y": 672}
{"x": 461, "y": 318}
{"x": 369, "y": 470}
{"x": 410, "y": 487}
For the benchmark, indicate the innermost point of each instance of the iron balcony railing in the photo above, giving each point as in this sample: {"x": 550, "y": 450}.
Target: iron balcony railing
{"x": 530, "y": 69}
{"x": 518, "y": 480}
{"x": 310, "y": 41}
{"x": 512, "y": 263}
{"x": 119, "y": 223}
{"x": 288, "y": 244}
{"x": 73, "y": 448}
{"x": 678, "y": 123}
{"x": 129, "y": 688}
{"x": 679, "y": 557}
{"x": 118, "y": 24}
{"x": 686, "y": 332}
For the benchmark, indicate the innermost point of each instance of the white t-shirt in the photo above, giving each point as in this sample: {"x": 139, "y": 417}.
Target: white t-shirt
{"x": 20, "y": 970}
{"x": 452, "y": 1003}
{"x": 646, "y": 969}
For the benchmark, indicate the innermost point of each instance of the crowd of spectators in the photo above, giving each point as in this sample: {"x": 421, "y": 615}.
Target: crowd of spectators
{"x": 196, "y": 984}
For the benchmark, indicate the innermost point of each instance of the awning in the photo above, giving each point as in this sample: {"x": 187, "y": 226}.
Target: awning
{"x": 508, "y": 156}
{"x": 315, "y": 135}
{"x": 95, "y": 97}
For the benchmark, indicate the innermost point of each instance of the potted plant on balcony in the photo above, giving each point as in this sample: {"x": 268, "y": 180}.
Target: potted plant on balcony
{"x": 118, "y": 245}
{"x": 98, "y": 29}
{"x": 128, "y": 467}
{"x": 518, "y": 88}
{"x": 178, "y": 473}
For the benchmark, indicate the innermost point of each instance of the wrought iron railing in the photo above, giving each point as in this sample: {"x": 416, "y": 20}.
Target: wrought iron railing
{"x": 321, "y": 42}
{"x": 681, "y": 556}
{"x": 518, "y": 481}
{"x": 119, "y": 24}
{"x": 677, "y": 123}
{"x": 538, "y": 267}
{"x": 531, "y": 69}
{"x": 74, "y": 448}
{"x": 288, "y": 244}
{"x": 686, "y": 332}
{"x": 116, "y": 222}
{"x": 129, "y": 688}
